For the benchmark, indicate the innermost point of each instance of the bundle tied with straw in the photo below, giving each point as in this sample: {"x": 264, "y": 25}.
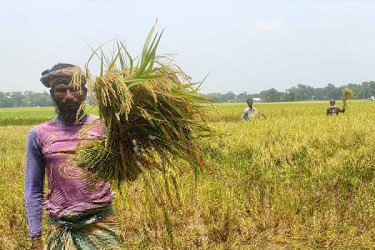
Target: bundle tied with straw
{"x": 346, "y": 95}
{"x": 152, "y": 113}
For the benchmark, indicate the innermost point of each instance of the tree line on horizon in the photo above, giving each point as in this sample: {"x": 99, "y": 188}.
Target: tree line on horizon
{"x": 300, "y": 92}
{"x": 26, "y": 99}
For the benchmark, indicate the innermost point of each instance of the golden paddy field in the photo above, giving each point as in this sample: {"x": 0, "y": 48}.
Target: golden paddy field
{"x": 297, "y": 179}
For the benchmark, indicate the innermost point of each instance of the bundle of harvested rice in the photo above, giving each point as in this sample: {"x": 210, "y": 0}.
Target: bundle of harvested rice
{"x": 152, "y": 113}
{"x": 346, "y": 95}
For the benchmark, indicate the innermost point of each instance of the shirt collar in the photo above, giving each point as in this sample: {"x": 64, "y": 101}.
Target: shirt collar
{"x": 80, "y": 122}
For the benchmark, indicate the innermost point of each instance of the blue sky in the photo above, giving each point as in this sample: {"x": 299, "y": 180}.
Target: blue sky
{"x": 243, "y": 45}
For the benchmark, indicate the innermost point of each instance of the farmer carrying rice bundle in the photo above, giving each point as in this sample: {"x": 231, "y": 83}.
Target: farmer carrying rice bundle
{"x": 152, "y": 115}
{"x": 79, "y": 216}
{"x": 333, "y": 110}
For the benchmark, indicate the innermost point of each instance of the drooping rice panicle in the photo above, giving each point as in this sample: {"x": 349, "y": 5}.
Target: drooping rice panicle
{"x": 346, "y": 95}
{"x": 152, "y": 113}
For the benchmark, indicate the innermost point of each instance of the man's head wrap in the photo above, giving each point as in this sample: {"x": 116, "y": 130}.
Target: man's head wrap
{"x": 62, "y": 72}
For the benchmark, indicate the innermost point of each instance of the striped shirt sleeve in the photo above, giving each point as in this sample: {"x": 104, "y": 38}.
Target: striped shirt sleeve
{"x": 34, "y": 183}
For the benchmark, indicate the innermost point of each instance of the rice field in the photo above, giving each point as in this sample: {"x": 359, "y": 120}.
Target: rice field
{"x": 297, "y": 179}
{"x": 25, "y": 116}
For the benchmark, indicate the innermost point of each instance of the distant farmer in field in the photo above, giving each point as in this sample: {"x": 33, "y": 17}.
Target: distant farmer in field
{"x": 80, "y": 211}
{"x": 333, "y": 110}
{"x": 249, "y": 112}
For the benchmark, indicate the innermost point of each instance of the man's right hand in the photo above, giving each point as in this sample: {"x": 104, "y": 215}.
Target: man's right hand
{"x": 36, "y": 243}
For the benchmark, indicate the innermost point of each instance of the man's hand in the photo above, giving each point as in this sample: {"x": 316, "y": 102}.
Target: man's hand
{"x": 36, "y": 243}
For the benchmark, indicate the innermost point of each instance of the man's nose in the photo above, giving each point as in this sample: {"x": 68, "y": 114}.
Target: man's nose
{"x": 69, "y": 94}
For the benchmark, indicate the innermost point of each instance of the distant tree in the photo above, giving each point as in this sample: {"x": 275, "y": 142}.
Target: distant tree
{"x": 271, "y": 95}
{"x": 43, "y": 100}
{"x": 6, "y": 101}
{"x": 242, "y": 97}
{"x": 332, "y": 92}
{"x": 214, "y": 96}
{"x": 229, "y": 96}
{"x": 18, "y": 98}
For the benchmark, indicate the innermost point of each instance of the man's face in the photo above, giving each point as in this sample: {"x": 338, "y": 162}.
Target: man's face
{"x": 250, "y": 103}
{"x": 68, "y": 98}
{"x": 332, "y": 103}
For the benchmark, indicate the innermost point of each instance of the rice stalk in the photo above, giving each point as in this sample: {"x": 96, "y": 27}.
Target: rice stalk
{"x": 168, "y": 227}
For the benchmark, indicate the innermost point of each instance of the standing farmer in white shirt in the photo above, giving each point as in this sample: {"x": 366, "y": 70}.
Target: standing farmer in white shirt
{"x": 250, "y": 111}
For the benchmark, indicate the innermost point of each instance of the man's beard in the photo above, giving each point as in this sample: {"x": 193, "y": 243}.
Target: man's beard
{"x": 68, "y": 115}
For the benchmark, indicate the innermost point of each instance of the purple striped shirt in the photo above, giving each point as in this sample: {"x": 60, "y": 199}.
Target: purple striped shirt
{"x": 51, "y": 148}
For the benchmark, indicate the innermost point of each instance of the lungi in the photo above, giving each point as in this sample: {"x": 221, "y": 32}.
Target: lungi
{"x": 94, "y": 229}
